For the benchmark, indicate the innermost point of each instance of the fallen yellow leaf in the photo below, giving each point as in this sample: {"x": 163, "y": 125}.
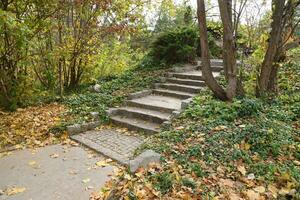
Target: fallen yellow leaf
{"x": 252, "y": 195}
{"x": 273, "y": 190}
{"x": 227, "y": 183}
{"x": 86, "y": 180}
{"x": 102, "y": 163}
{"x": 247, "y": 146}
{"x": 14, "y": 190}
{"x": 260, "y": 189}
{"x": 242, "y": 170}
{"x": 31, "y": 163}
{"x": 54, "y": 155}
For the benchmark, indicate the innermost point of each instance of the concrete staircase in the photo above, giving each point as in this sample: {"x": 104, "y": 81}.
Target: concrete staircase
{"x": 147, "y": 111}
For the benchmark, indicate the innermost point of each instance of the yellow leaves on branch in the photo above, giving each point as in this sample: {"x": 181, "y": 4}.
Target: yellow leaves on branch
{"x": 30, "y": 126}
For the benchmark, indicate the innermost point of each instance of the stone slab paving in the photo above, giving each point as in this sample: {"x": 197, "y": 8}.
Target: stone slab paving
{"x": 56, "y": 172}
{"x": 110, "y": 143}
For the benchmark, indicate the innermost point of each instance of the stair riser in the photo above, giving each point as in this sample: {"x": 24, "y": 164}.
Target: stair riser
{"x": 215, "y": 63}
{"x": 132, "y": 127}
{"x": 142, "y": 116}
{"x": 213, "y": 68}
{"x": 179, "y": 96}
{"x": 150, "y": 107}
{"x": 182, "y": 89}
{"x": 185, "y": 76}
{"x": 186, "y": 82}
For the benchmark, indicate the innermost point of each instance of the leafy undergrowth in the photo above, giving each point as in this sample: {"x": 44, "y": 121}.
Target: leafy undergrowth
{"x": 31, "y": 126}
{"x": 37, "y": 126}
{"x": 248, "y": 149}
{"x": 112, "y": 93}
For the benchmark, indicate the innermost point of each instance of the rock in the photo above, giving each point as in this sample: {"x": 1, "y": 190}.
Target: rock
{"x": 74, "y": 129}
{"x": 185, "y": 103}
{"x": 111, "y": 111}
{"x": 96, "y": 88}
{"x": 251, "y": 176}
{"x": 94, "y": 124}
{"x": 166, "y": 124}
{"x": 95, "y": 115}
{"x": 78, "y": 128}
{"x": 143, "y": 160}
{"x": 175, "y": 114}
{"x": 85, "y": 127}
{"x": 89, "y": 126}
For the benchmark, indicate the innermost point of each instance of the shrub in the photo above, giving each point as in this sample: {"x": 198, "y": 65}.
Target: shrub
{"x": 180, "y": 45}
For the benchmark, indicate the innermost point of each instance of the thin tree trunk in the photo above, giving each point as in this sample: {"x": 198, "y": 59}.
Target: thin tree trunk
{"x": 229, "y": 48}
{"x": 60, "y": 71}
{"x": 211, "y": 82}
{"x": 228, "y": 9}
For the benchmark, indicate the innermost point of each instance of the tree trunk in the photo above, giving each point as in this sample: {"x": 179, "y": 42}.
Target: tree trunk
{"x": 272, "y": 84}
{"x": 229, "y": 50}
{"x": 60, "y": 70}
{"x": 275, "y": 35}
{"x": 273, "y": 80}
{"x": 210, "y": 81}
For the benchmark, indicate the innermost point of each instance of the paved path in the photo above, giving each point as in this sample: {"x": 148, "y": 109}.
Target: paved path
{"x": 111, "y": 143}
{"x": 53, "y": 172}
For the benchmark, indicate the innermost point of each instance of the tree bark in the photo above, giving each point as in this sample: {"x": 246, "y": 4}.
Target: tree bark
{"x": 275, "y": 35}
{"x": 210, "y": 81}
{"x": 60, "y": 69}
{"x": 229, "y": 50}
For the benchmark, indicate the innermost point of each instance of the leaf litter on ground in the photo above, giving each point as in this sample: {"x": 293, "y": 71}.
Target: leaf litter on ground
{"x": 31, "y": 126}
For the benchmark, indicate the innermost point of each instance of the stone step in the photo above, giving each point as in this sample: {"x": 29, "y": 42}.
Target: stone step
{"x": 156, "y": 102}
{"x": 173, "y": 93}
{"x": 213, "y": 68}
{"x": 197, "y": 77}
{"x": 182, "y": 88}
{"x": 136, "y": 124}
{"x": 148, "y": 106}
{"x": 218, "y": 63}
{"x": 192, "y": 75}
{"x": 186, "y": 82}
{"x": 214, "y": 62}
{"x": 144, "y": 114}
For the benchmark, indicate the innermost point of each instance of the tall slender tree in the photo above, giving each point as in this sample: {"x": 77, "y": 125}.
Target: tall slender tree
{"x": 211, "y": 82}
{"x": 229, "y": 52}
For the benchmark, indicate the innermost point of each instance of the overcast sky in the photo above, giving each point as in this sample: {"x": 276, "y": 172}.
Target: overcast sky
{"x": 255, "y": 8}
